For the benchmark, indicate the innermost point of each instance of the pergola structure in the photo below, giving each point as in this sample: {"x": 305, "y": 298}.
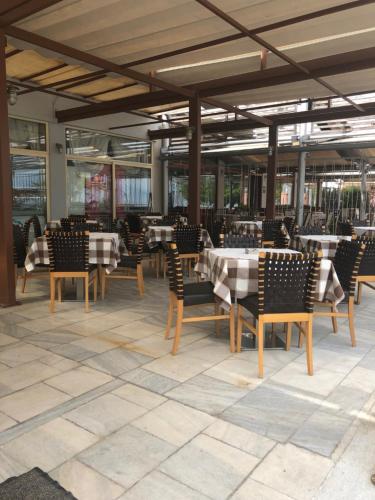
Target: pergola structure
{"x": 145, "y": 57}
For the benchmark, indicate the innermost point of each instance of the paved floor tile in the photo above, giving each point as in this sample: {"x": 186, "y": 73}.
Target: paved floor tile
{"x": 49, "y": 445}
{"x": 6, "y": 422}
{"x": 6, "y": 339}
{"x": 79, "y": 380}
{"x": 180, "y": 367}
{"x": 85, "y": 483}
{"x": 20, "y": 354}
{"x": 252, "y": 490}
{"x": 32, "y": 401}
{"x": 141, "y": 397}
{"x": 158, "y": 486}
{"x": 174, "y": 422}
{"x": 209, "y": 466}
{"x": 293, "y": 471}
{"x": 149, "y": 380}
{"x": 23, "y": 376}
{"x": 117, "y": 361}
{"x": 134, "y": 453}
{"x": 105, "y": 414}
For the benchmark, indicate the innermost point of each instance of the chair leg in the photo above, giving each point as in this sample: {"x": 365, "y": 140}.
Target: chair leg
{"x": 239, "y": 327}
{"x": 288, "y": 336}
{"x": 87, "y": 305}
{"x": 59, "y": 293}
{"x": 334, "y": 320}
{"x": 52, "y": 294}
{"x": 351, "y": 320}
{"x": 140, "y": 279}
{"x": 24, "y": 280}
{"x": 359, "y": 293}
{"x": 170, "y": 317}
{"x": 260, "y": 347}
{"x": 177, "y": 335}
{"x": 96, "y": 276}
{"x": 157, "y": 264}
{"x": 232, "y": 330}
{"x": 309, "y": 353}
{"x": 300, "y": 337}
{"x": 103, "y": 283}
{"x": 218, "y": 321}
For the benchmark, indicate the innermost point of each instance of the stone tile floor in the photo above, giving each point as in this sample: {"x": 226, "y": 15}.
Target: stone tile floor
{"x": 97, "y": 401}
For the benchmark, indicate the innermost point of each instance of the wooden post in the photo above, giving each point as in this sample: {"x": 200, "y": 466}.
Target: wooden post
{"x": 7, "y": 277}
{"x": 194, "y": 160}
{"x": 271, "y": 172}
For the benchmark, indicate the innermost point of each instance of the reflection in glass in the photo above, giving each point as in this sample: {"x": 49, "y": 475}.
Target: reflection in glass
{"x": 24, "y": 134}
{"x": 133, "y": 189}
{"x": 29, "y": 187}
{"x": 90, "y": 189}
{"x": 179, "y": 185}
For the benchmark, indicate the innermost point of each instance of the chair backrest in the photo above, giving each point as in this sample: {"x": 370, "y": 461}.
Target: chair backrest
{"x": 287, "y": 282}
{"x": 345, "y": 229}
{"x": 367, "y": 265}
{"x": 217, "y": 229}
{"x": 37, "y": 226}
{"x": 280, "y": 238}
{"x": 135, "y": 223}
{"x": 92, "y": 227}
{"x": 68, "y": 251}
{"x": 187, "y": 239}
{"x": 66, "y": 224}
{"x": 26, "y": 231}
{"x": 310, "y": 230}
{"x": 170, "y": 220}
{"x": 141, "y": 245}
{"x": 347, "y": 260}
{"x": 175, "y": 276}
{"x": 75, "y": 219}
{"x": 125, "y": 234}
{"x": 269, "y": 228}
{"x": 19, "y": 247}
{"x": 290, "y": 223}
{"x": 230, "y": 240}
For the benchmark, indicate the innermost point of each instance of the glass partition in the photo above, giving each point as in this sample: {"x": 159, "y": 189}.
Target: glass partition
{"x": 133, "y": 189}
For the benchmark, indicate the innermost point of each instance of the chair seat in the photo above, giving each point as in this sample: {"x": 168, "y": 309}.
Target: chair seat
{"x": 251, "y": 304}
{"x": 128, "y": 261}
{"x": 198, "y": 293}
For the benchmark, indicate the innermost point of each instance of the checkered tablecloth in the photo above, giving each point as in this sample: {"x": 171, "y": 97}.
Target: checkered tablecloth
{"x": 147, "y": 220}
{"x": 251, "y": 226}
{"x": 157, "y": 234}
{"x": 365, "y": 231}
{"x": 235, "y": 274}
{"x": 326, "y": 243}
{"x": 104, "y": 249}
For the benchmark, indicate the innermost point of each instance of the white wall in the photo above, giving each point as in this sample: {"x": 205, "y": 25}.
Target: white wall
{"x": 42, "y": 107}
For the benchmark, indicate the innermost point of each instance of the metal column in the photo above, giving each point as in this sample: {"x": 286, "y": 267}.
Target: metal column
{"x": 7, "y": 278}
{"x": 271, "y": 171}
{"x": 300, "y": 187}
{"x": 194, "y": 160}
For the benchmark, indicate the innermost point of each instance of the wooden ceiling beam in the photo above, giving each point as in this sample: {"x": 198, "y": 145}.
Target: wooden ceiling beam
{"x": 43, "y": 72}
{"x": 326, "y": 66}
{"x": 13, "y": 12}
{"x": 263, "y": 43}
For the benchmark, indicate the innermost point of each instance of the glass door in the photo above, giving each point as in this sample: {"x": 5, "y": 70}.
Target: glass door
{"x": 132, "y": 189}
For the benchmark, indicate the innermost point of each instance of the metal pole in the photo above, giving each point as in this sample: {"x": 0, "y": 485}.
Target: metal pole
{"x": 362, "y": 211}
{"x": 194, "y": 160}
{"x": 7, "y": 277}
{"x": 271, "y": 172}
{"x": 300, "y": 187}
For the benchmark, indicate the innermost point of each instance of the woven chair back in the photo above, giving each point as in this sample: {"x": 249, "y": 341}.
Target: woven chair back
{"x": 68, "y": 251}
{"x": 135, "y": 223}
{"x": 310, "y": 230}
{"x": 230, "y": 240}
{"x": 345, "y": 229}
{"x": 367, "y": 265}
{"x": 290, "y": 223}
{"x": 347, "y": 260}
{"x": 187, "y": 239}
{"x": 125, "y": 234}
{"x": 175, "y": 276}
{"x": 287, "y": 282}
{"x": 269, "y": 228}
{"x": 19, "y": 247}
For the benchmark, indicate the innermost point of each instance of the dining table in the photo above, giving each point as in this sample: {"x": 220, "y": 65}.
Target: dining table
{"x": 164, "y": 234}
{"x": 365, "y": 231}
{"x": 327, "y": 243}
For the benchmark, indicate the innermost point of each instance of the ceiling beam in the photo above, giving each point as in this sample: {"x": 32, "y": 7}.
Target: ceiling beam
{"x": 242, "y": 29}
{"x": 327, "y": 66}
{"x": 43, "y": 72}
{"x": 315, "y": 115}
{"x": 232, "y": 109}
{"x": 254, "y": 31}
{"x": 11, "y": 13}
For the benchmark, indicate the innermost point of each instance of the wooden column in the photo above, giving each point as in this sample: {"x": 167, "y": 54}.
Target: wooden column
{"x": 195, "y": 160}
{"x": 271, "y": 172}
{"x": 7, "y": 278}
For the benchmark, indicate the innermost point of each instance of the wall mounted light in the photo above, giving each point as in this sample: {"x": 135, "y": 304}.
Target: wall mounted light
{"x": 189, "y": 133}
{"x": 12, "y": 92}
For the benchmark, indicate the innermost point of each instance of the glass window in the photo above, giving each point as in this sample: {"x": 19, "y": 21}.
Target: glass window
{"x": 24, "y": 134}
{"x": 133, "y": 189}
{"x": 29, "y": 187}
{"x": 178, "y": 189}
{"x": 90, "y": 189}
{"x": 95, "y": 144}
{"x": 232, "y": 190}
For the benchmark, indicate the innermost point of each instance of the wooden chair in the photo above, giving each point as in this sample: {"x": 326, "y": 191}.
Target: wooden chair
{"x": 290, "y": 224}
{"x": 366, "y": 271}
{"x": 188, "y": 242}
{"x": 270, "y": 228}
{"x": 346, "y": 263}
{"x": 310, "y": 230}
{"x": 126, "y": 266}
{"x": 345, "y": 229}
{"x": 286, "y": 287}
{"x": 20, "y": 239}
{"x": 192, "y": 294}
{"x": 19, "y": 249}
{"x": 135, "y": 224}
{"x": 251, "y": 240}
{"x": 69, "y": 258}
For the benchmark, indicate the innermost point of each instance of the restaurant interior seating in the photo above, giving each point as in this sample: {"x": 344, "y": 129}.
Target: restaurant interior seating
{"x": 230, "y": 240}
{"x": 69, "y": 258}
{"x": 366, "y": 271}
{"x": 286, "y": 286}
{"x": 188, "y": 242}
{"x": 183, "y": 295}
{"x": 270, "y": 227}
{"x": 345, "y": 228}
{"x": 310, "y": 230}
